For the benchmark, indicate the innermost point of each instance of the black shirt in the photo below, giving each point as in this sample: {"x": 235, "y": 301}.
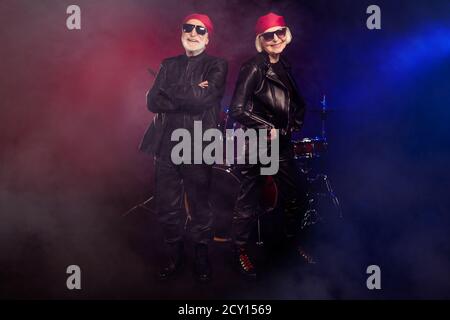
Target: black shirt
{"x": 282, "y": 74}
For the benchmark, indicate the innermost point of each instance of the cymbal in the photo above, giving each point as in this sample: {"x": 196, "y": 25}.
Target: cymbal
{"x": 320, "y": 110}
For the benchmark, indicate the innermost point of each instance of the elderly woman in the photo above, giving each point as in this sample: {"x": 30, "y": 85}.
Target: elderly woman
{"x": 266, "y": 96}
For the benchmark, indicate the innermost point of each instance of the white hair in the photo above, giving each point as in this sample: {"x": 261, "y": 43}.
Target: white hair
{"x": 258, "y": 40}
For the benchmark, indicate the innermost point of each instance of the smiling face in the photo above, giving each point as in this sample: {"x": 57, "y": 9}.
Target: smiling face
{"x": 193, "y": 42}
{"x": 276, "y": 45}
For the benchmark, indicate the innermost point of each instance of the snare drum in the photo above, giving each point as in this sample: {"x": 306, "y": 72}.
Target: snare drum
{"x": 309, "y": 148}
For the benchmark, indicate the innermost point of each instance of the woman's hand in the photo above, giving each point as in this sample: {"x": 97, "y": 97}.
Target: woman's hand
{"x": 273, "y": 134}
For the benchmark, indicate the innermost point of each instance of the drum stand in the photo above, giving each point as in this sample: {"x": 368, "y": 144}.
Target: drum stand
{"x": 259, "y": 242}
{"x": 312, "y": 216}
{"x": 147, "y": 205}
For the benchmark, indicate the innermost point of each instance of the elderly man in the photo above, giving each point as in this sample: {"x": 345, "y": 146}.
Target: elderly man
{"x": 188, "y": 88}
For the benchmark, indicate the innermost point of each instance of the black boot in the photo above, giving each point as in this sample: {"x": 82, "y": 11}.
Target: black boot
{"x": 243, "y": 263}
{"x": 202, "y": 267}
{"x": 176, "y": 260}
{"x": 296, "y": 249}
{"x": 305, "y": 256}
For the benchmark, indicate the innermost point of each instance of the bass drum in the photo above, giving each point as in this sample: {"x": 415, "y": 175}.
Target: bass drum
{"x": 225, "y": 186}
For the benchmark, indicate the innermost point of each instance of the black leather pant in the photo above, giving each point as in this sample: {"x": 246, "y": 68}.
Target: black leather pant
{"x": 292, "y": 188}
{"x": 171, "y": 182}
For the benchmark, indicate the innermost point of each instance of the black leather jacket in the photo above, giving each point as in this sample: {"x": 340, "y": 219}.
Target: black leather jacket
{"x": 176, "y": 92}
{"x": 261, "y": 100}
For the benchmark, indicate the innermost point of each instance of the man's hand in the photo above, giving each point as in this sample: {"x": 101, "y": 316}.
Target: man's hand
{"x": 203, "y": 84}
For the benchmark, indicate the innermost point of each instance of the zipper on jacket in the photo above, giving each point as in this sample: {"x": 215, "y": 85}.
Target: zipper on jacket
{"x": 185, "y": 80}
{"x": 288, "y": 98}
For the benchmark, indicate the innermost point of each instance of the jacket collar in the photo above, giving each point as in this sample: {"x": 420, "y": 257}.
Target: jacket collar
{"x": 273, "y": 76}
{"x": 264, "y": 57}
{"x": 195, "y": 58}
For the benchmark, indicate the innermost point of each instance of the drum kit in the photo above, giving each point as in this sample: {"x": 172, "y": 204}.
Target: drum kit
{"x": 226, "y": 182}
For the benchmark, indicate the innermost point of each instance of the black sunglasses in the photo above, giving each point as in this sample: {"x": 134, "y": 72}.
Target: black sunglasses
{"x": 199, "y": 29}
{"x": 268, "y": 36}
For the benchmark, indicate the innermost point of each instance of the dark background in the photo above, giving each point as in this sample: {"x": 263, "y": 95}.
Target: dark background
{"x": 73, "y": 112}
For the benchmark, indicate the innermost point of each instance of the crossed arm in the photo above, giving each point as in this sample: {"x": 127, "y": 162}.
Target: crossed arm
{"x": 189, "y": 98}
